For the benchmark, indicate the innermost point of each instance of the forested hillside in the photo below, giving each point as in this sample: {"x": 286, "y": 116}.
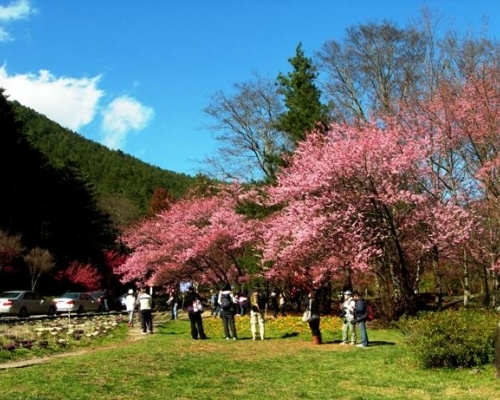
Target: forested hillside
{"x": 123, "y": 184}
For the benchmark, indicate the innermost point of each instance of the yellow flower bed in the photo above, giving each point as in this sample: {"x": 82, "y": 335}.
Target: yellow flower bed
{"x": 291, "y": 325}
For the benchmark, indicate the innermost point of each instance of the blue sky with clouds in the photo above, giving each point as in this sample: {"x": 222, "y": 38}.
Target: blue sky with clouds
{"x": 135, "y": 75}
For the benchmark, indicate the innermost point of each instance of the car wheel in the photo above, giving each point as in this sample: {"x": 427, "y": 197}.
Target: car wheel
{"x": 80, "y": 310}
{"x": 52, "y": 311}
{"x": 23, "y": 312}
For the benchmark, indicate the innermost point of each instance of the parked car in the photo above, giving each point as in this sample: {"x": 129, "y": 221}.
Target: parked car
{"x": 99, "y": 296}
{"x": 25, "y": 302}
{"x": 106, "y": 300}
{"x": 77, "y": 302}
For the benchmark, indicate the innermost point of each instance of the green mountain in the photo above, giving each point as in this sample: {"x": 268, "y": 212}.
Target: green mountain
{"x": 123, "y": 184}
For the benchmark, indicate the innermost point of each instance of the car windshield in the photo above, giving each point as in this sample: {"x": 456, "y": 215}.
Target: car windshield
{"x": 10, "y": 295}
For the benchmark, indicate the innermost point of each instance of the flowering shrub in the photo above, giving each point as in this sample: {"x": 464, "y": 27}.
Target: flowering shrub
{"x": 47, "y": 336}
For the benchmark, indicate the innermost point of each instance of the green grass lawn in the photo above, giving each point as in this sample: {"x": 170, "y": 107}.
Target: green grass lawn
{"x": 170, "y": 365}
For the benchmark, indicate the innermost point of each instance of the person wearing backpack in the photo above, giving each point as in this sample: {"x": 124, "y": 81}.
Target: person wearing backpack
{"x": 257, "y": 310}
{"x": 360, "y": 317}
{"x": 227, "y": 304}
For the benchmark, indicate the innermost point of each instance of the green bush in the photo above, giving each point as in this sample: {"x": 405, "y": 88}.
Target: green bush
{"x": 451, "y": 339}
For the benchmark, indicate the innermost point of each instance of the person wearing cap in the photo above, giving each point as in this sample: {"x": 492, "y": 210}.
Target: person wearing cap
{"x": 130, "y": 307}
{"x": 348, "y": 311}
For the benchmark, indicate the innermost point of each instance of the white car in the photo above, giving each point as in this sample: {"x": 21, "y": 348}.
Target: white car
{"x": 77, "y": 302}
{"x": 25, "y": 302}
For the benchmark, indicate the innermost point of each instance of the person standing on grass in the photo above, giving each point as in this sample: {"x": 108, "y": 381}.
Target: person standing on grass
{"x": 348, "y": 331}
{"x": 194, "y": 316}
{"x": 242, "y": 303}
{"x": 227, "y": 304}
{"x": 282, "y": 303}
{"x": 313, "y": 305}
{"x": 145, "y": 304}
{"x": 361, "y": 314}
{"x": 274, "y": 303}
{"x": 213, "y": 303}
{"x": 130, "y": 304}
{"x": 173, "y": 303}
{"x": 257, "y": 310}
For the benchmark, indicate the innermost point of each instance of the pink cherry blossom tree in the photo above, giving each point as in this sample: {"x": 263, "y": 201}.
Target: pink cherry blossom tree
{"x": 354, "y": 200}
{"x": 463, "y": 120}
{"x": 200, "y": 239}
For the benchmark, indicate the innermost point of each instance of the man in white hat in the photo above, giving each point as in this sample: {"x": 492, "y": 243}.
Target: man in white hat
{"x": 130, "y": 303}
{"x": 348, "y": 331}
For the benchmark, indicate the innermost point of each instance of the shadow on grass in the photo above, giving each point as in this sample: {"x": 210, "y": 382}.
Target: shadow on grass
{"x": 371, "y": 344}
{"x": 290, "y": 334}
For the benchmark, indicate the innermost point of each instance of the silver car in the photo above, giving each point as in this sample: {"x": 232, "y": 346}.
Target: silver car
{"x": 77, "y": 302}
{"x": 25, "y": 302}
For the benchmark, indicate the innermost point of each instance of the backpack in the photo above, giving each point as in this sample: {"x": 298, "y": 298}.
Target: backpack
{"x": 369, "y": 312}
{"x": 226, "y": 302}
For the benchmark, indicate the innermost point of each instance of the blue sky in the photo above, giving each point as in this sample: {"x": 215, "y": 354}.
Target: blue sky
{"x": 135, "y": 75}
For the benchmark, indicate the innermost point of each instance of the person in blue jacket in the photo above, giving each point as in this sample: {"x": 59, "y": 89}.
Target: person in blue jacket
{"x": 360, "y": 316}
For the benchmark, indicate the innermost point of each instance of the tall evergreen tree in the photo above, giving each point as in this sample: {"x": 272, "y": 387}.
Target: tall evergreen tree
{"x": 302, "y": 99}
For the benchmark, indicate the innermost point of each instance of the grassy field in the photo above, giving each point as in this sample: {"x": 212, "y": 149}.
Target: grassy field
{"x": 170, "y": 365}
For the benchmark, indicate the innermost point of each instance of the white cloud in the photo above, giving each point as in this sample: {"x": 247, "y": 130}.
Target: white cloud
{"x": 4, "y": 35}
{"x": 122, "y": 116}
{"x": 16, "y": 10}
{"x": 71, "y": 102}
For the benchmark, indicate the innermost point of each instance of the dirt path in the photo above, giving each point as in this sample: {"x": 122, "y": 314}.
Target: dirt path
{"x": 133, "y": 335}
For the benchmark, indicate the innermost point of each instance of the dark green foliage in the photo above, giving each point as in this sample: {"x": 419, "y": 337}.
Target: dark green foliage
{"x": 51, "y": 208}
{"x": 124, "y": 185}
{"x": 302, "y": 99}
{"x": 452, "y": 339}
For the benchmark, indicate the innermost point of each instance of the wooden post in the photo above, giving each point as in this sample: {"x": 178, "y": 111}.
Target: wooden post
{"x": 497, "y": 351}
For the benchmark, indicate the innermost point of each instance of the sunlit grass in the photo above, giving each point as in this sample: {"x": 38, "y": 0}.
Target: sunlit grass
{"x": 170, "y": 365}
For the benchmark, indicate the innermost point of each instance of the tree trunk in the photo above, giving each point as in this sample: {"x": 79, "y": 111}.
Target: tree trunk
{"x": 466, "y": 280}
{"x": 496, "y": 289}
{"x": 486, "y": 299}
{"x": 438, "y": 301}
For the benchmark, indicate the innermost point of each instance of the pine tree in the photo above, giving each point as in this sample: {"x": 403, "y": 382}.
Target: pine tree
{"x": 302, "y": 99}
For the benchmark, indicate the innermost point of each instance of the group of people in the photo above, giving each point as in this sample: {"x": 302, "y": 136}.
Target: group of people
{"x": 240, "y": 303}
{"x": 143, "y": 302}
{"x": 354, "y": 312}
{"x": 276, "y": 303}
{"x": 227, "y": 306}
